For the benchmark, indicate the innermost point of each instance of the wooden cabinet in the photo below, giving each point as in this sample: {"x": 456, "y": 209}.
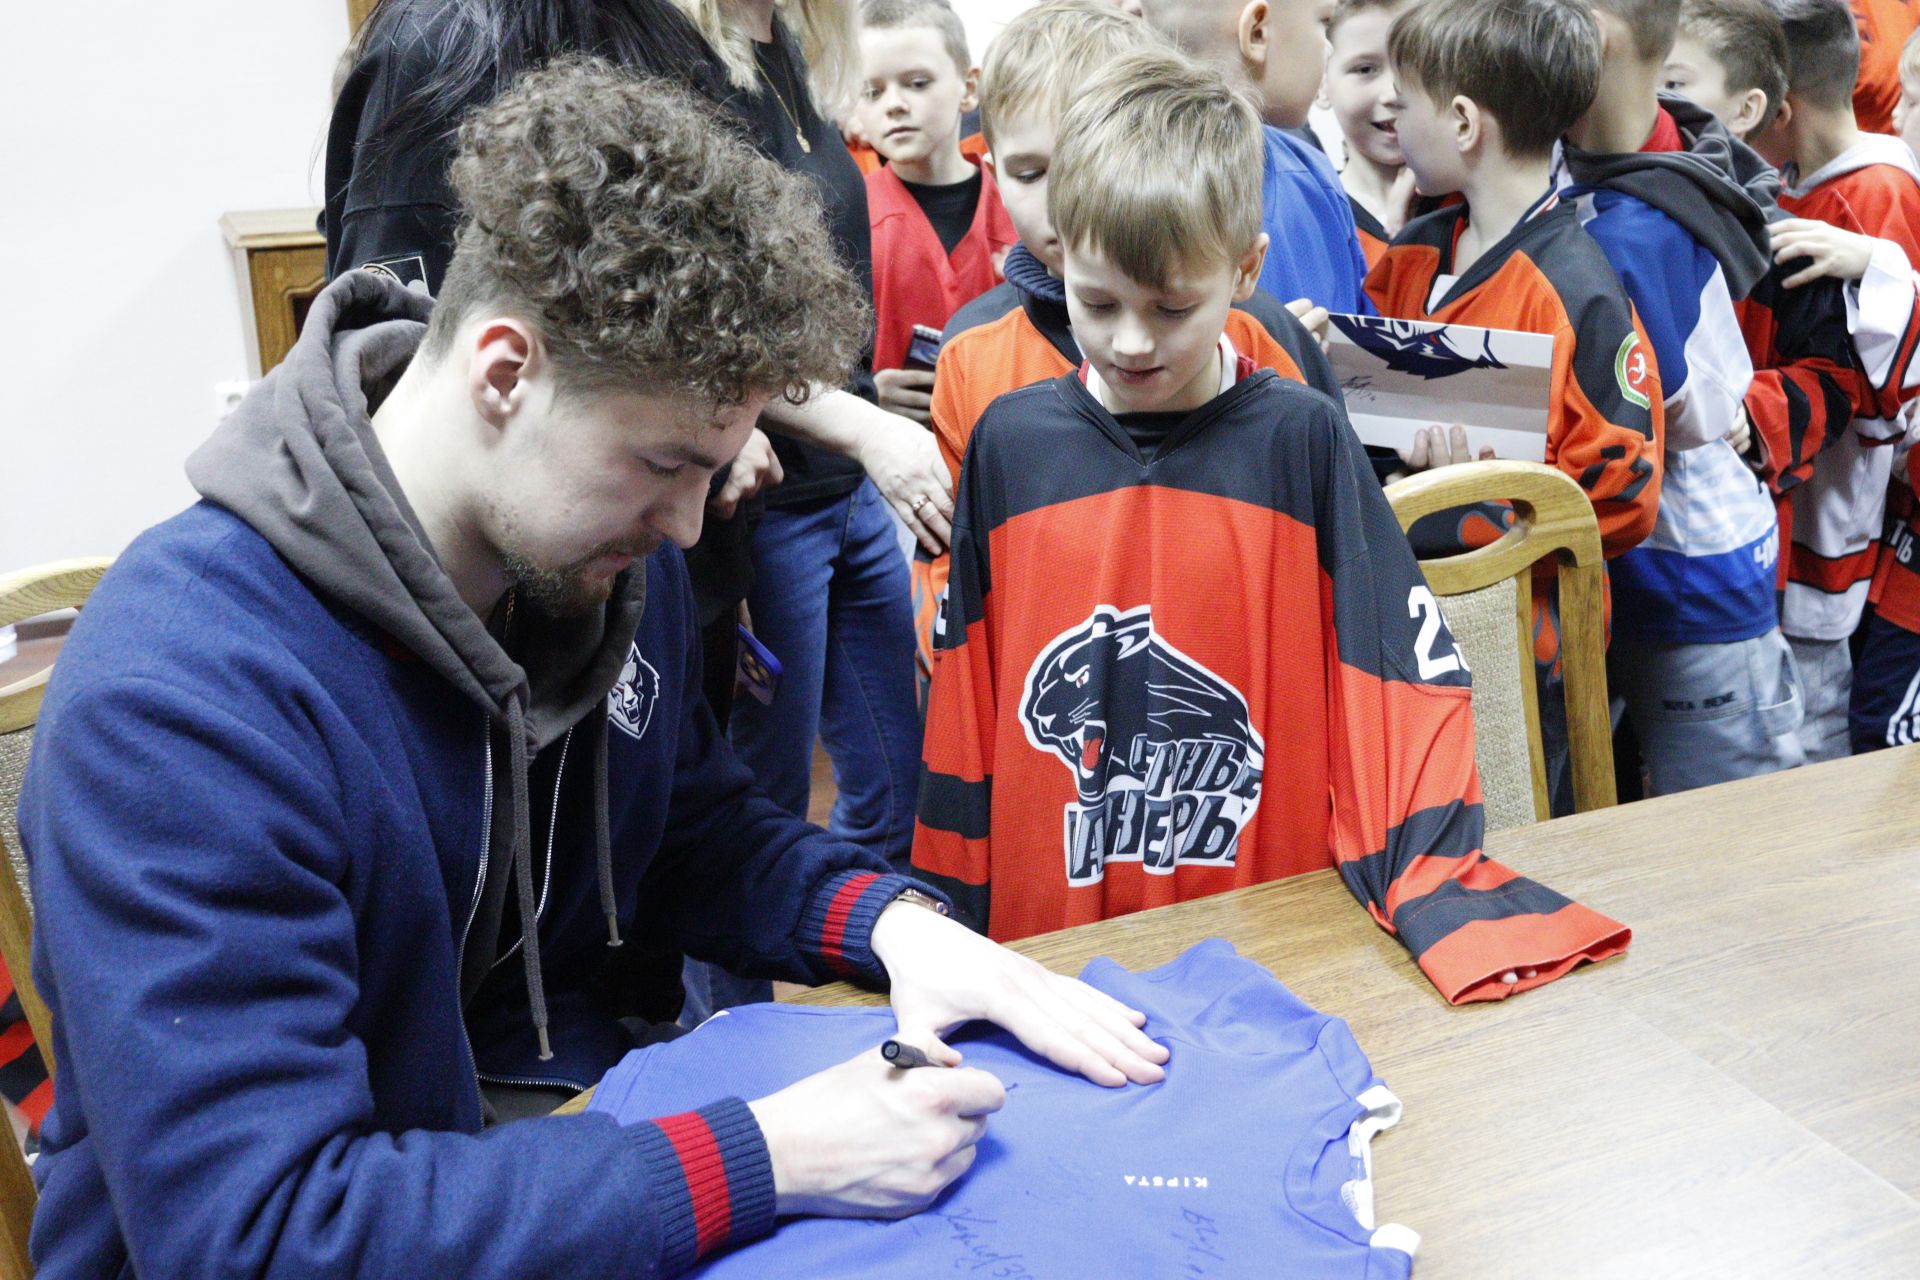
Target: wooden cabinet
{"x": 281, "y": 262}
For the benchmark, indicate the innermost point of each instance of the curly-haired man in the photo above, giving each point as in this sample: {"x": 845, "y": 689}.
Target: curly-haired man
{"x": 353, "y": 771}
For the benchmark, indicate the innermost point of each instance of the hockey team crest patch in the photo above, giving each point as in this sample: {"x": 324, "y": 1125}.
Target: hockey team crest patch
{"x": 631, "y": 702}
{"x": 1633, "y": 372}
{"x": 1166, "y": 764}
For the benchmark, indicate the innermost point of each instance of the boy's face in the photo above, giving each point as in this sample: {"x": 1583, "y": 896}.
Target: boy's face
{"x": 913, "y": 96}
{"x": 1022, "y": 152}
{"x": 1154, "y": 347}
{"x": 1359, "y": 86}
{"x": 1906, "y": 112}
{"x": 1693, "y": 71}
{"x": 1426, "y": 134}
{"x": 1296, "y": 58}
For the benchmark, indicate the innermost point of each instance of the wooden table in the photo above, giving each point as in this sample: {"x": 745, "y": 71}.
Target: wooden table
{"x": 1738, "y": 1095}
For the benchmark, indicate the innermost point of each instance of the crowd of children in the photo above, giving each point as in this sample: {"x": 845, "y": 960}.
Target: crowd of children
{"x": 1680, "y": 194}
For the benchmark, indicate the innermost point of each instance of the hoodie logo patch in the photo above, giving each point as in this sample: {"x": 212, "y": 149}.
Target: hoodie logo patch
{"x": 630, "y": 705}
{"x": 409, "y": 270}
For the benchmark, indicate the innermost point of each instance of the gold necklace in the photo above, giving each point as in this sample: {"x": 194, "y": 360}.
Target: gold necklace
{"x": 793, "y": 118}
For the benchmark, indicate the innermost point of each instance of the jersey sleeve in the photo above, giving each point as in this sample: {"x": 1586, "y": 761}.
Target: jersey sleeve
{"x": 1884, "y": 320}
{"x": 1407, "y": 817}
{"x": 1807, "y": 384}
{"x": 953, "y": 826}
{"x": 1607, "y": 416}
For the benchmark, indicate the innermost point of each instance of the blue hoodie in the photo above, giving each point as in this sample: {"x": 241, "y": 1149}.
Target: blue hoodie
{"x": 286, "y": 798}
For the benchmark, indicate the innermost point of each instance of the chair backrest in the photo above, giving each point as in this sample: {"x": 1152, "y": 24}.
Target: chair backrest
{"x": 23, "y": 595}
{"x": 1487, "y": 597}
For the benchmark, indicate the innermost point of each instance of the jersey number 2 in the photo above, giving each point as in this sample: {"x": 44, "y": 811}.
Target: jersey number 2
{"x": 1434, "y": 659}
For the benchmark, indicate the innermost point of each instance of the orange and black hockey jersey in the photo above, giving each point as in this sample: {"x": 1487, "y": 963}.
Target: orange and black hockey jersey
{"x": 1606, "y": 419}
{"x": 1884, "y": 27}
{"x": 1017, "y": 334}
{"x": 1169, "y": 674}
{"x": 1835, "y": 524}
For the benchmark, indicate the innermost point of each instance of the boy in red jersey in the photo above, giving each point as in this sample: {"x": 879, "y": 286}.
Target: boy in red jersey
{"x": 1168, "y": 564}
{"x": 939, "y": 231}
{"x": 1865, "y": 183}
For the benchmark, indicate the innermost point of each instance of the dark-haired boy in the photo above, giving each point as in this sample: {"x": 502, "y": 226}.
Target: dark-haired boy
{"x": 353, "y": 771}
{"x": 939, "y": 231}
{"x": 1867, "y": 184}
{"x": 1680, "y": 208}
{"x": 1484, "y": 92}
{"x": 1186, "y": 646}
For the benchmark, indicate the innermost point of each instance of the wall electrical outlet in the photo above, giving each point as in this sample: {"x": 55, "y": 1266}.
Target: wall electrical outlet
{"x": 227, "y": 397}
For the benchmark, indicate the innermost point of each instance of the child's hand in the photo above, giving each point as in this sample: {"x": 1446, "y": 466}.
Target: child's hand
{"x": 1741, "y": 437}
{"x": 1312, "y": 318}
{"x": 754, "y": 468}
{"x": 1841, "y": 254}
{"x": 907, "y": 392}
{"x": 1441, "y": 447}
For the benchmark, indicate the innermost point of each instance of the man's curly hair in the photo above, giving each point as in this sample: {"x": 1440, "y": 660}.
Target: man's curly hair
{"x": 654, "y": 248}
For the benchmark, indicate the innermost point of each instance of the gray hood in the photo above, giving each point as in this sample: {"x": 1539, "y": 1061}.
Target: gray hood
{"x": 298, "y": 461}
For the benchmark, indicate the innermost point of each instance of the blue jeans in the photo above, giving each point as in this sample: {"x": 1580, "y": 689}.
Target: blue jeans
{"x": 831, "y": 599}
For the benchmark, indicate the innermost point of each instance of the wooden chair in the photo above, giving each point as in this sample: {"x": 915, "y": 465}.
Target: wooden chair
{"x": 28, "y": 594}
{"x": 1487, "y": 597}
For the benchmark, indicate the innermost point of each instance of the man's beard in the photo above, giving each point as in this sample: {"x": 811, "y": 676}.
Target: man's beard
{"x": 569, "y": 591}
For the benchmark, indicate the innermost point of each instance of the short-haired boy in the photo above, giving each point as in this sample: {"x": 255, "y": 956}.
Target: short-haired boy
{"x": 1182, "y": 618}
{"x": 1485, "y": 89}
{"x": 939, "y": 230}
{"x": 1867, "y": 184}
{"x": 1277, "y": 51}
{"x": 1820, "y": 359}
{"x": 1357, "y": 90}
{"x": 1020, "y": 332}
{"x": 1680, "y": 208}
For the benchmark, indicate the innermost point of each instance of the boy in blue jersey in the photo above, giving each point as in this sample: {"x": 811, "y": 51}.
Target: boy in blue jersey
{"x": 1680, "y": 208}
{"x": 1277, "y": 49}
{"x": 352, "y": 772}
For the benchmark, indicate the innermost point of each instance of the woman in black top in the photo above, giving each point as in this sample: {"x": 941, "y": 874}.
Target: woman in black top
{"x": 827, "y": 585}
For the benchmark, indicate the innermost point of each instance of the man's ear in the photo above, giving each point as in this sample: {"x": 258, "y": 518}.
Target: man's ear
{"x": 506, "y": 353}
{"x": 1254, "y": 32}
{"x": 1246, "y": 276}
{"x": 970, "y": 97}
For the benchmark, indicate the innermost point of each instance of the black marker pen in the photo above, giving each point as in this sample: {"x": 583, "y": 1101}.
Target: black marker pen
{"x": 903, "y": 1055}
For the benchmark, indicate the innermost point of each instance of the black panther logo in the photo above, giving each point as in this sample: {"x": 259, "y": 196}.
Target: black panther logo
{"x": 1165, "y": 761}
{"x": 1411, "y": 346}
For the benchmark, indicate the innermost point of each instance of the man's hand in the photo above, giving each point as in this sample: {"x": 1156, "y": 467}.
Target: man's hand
{"x": 755, "y": 467}
{"x": 1441, "y": 447}
{"x": 1841, "y": 254}
{"x": 904, "y": 462}
{"x": 1312, "y": 318}
{"x": 865, "y": 1140}
{"x": 907, "y": 392}
{"x": 943, "y": 974}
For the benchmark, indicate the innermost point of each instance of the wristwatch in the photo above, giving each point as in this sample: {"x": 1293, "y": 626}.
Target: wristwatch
{"x": 913, "y": 897}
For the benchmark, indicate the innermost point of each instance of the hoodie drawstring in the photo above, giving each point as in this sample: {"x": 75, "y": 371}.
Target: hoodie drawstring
{"x": 523, "y": 868}
{"x": 602, "y": 837}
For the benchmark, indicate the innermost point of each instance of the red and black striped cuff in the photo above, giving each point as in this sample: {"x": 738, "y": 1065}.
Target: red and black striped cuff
{"x": 838, "y": 924}
{"x": 714, "y": 1180}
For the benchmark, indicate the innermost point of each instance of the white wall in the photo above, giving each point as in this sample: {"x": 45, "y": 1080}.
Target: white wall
{"x": 126, "y": 130}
